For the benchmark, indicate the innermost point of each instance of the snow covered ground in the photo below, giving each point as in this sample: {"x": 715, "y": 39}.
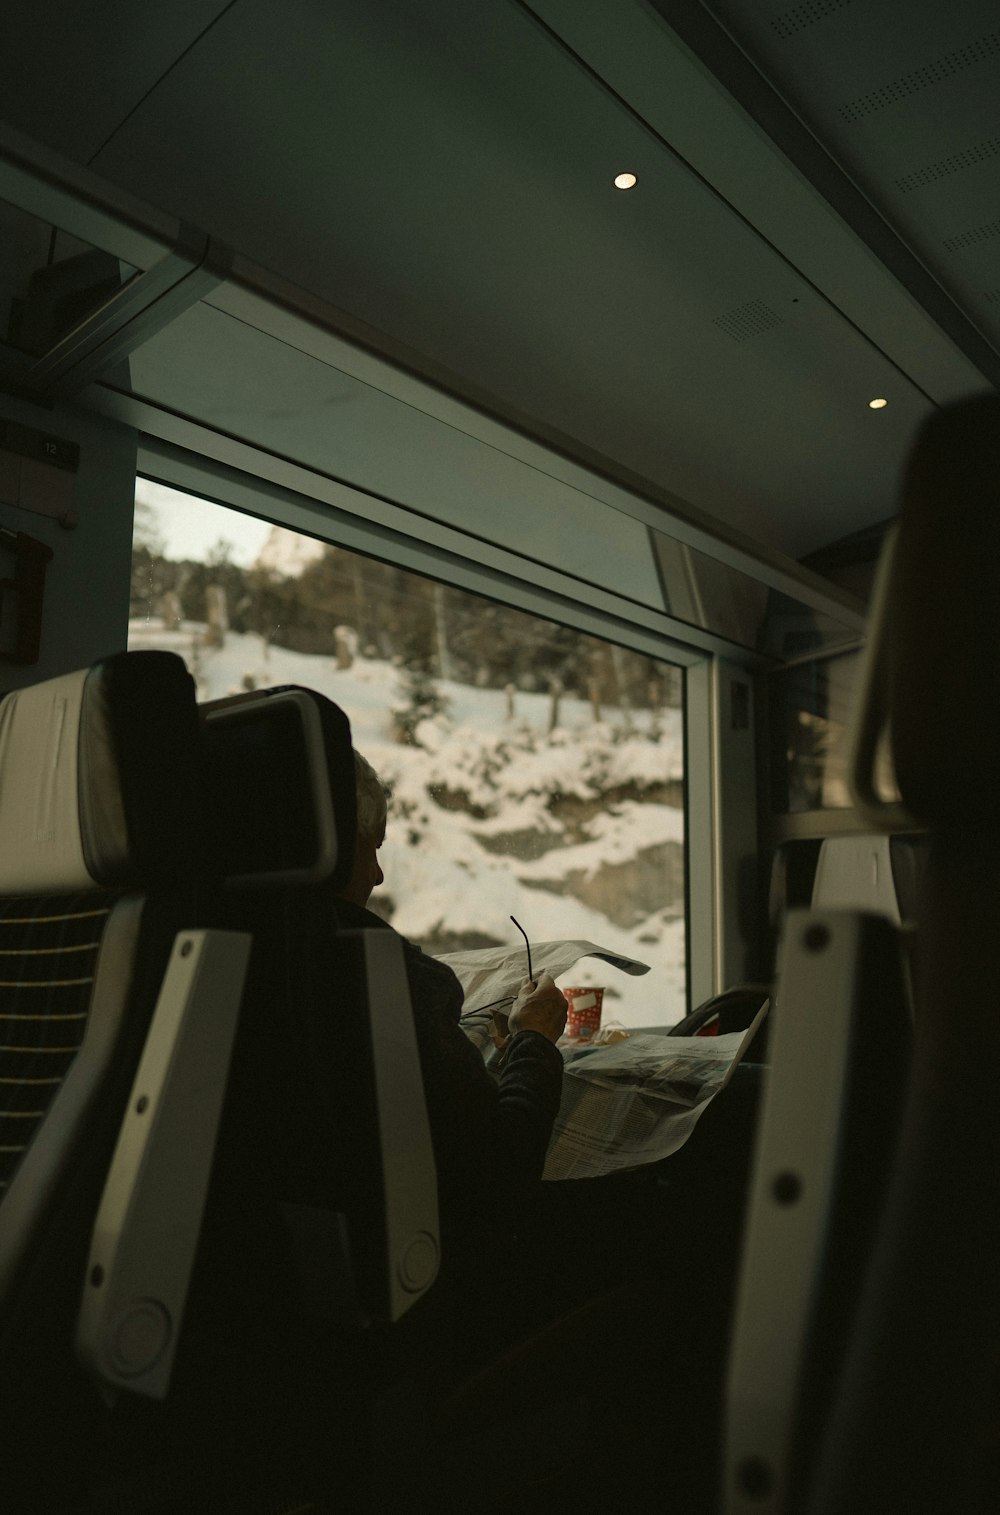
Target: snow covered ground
{"x": 490, "y": 816}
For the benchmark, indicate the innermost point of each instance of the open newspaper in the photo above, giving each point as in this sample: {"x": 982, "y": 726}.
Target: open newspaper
{"x": 623, "y": 1105}
{"x": 493, "y": 975}
{"x": 637, "y": 1101}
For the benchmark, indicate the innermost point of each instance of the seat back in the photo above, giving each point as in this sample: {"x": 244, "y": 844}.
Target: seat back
{"x": 279, "y": 773}
{"x": 859, "y": 1360}
{"x": 910, "y": 1428}
{"x": 322, "y": 1171}
{"x": 873, "y": 1404}
{"x": 334, "y": 1011}
{"x": 99, "y": 837}
{"x": 162, "y": 1137}
{"x": 98, "y": 804}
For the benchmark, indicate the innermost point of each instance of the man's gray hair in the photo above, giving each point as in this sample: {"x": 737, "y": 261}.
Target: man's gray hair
{"x": 372, "y": 803}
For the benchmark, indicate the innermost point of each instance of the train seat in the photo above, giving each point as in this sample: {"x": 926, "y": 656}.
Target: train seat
{"x": 155, "y": 846}
{"x": 317, "y": 1234}
{"x": 99, "y": 847}
{"x": 928, "y": 1308}
{"x": 874, "y": 872}
{"x": 337, "y": 1322}
{"x": 864, "y": 1348}
{"x": 322, "y": 1004}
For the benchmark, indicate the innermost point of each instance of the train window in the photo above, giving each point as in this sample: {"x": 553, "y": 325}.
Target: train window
{"x": 534, "y": 770}
{"x": 811, "y": 704}
{"x": 809, "y": 708}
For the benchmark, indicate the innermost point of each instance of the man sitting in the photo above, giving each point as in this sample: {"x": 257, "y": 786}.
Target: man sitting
{"x": 490, "y": 1134}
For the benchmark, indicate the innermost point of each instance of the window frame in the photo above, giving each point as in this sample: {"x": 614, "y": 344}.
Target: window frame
{"x": 718, "y": 825}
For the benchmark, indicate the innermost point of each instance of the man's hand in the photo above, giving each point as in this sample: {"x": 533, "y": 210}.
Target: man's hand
{"x": 539, "y": 1007}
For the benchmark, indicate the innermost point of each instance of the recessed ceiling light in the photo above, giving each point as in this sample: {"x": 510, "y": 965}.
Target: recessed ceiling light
{"x": 624, "y": 181}
{"x": 879, "y": 404}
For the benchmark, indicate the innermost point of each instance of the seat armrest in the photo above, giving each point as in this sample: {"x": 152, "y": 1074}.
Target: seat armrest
{"x": 841, "y": 1045}
{"x": 149, "y": 1219}
{"x": 408, "y": 1169}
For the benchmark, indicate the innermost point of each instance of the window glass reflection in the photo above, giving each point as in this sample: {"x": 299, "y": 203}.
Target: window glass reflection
{"x": 703, "y": 592}
{"x": 49, "y": 281}
{"x": 810, "y": 706}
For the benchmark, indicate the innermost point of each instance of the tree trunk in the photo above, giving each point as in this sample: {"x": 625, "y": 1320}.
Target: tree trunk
{"x": 555, "y": 690}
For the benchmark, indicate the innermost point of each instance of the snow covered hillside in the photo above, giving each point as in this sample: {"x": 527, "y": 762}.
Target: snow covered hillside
{"x": 578, "y": 831}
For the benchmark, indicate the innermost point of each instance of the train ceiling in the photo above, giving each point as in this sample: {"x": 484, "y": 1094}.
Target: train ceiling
{"x": 814, "y": 221}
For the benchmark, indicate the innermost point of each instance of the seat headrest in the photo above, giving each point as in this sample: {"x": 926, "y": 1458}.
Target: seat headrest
{"x": 280, "y": 786}
{"x": 99, "y": 779}
{"x": 944, "y": 626}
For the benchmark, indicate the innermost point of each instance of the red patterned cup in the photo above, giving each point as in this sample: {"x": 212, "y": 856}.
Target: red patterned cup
{"x": 583, "y": 1018}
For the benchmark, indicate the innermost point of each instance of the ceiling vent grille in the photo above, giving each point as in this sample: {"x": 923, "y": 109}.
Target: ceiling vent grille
{"x": 747, "y": 320}
{"x": 923, "y": 78}
{"x": 969, "y": 238}
{"x": 807, "y": 14}
{"x": 931, "y": 172}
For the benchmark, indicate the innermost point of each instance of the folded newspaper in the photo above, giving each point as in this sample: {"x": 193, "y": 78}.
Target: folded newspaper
{"x": 637, "y": 1101}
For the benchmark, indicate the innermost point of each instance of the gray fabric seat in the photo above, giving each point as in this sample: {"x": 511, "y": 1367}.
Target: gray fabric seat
{"x": 47, "y": 959}
{"x": 99, "y": 826}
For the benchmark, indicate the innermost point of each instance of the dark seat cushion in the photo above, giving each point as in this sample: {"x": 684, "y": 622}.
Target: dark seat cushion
{"x": 945, "y": 625}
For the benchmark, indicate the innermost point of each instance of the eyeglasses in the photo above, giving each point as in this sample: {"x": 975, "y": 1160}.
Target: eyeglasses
{"x": 510, "y": 998}
{"x": 527, "y": 944}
